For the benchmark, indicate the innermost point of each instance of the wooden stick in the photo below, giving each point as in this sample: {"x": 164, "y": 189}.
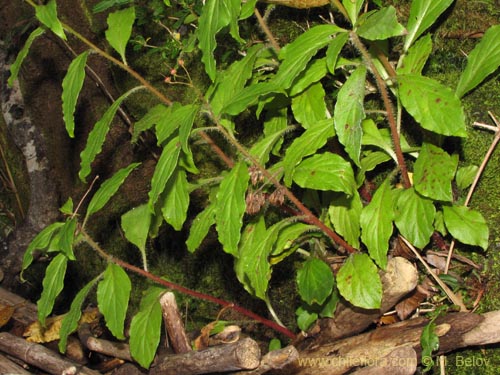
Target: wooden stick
{"x": 274, "y": 360}
{"x": 241, "y": 355}
{"x": 9, "y": 367}
{"x": 173, "y": 324}
{"x": 41, "y": 357}
{"x": 113, "y": 349}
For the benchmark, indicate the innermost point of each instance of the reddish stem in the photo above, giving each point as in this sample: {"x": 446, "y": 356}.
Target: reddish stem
{"x": 193, "y": 293}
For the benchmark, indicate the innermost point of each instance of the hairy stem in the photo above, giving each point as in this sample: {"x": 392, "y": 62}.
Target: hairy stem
{"x": 193, "y": 293}
{"x": 382, "y": 87}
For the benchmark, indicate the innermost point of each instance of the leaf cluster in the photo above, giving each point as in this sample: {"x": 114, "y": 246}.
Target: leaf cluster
{"x": 314, "y": 178}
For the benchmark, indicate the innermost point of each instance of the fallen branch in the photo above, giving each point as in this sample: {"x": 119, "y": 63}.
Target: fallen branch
{"x": 241, "y": 355}
{"x": 39, "y": 356}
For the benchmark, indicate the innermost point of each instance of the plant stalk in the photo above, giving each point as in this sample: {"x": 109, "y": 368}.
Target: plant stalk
{"x": 388, "y": 107}
{"x": 193, "y": 293}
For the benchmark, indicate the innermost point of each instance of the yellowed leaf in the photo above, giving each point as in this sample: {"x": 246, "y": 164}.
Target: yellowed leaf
{"x": 36, "y": 333}
{"x": 6, "y": 312}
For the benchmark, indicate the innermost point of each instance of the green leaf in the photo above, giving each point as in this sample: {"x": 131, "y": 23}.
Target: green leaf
{"x": 325, "y": 172}
{"x": 307, "y": 144}
{"x": 98, "y": 134}
{"x": 16, "y": 66}
{"x": 376, "y": 223}
{"x": 67, "y": 207}
{"x": 47, "y": 14}
{"x": 53, "y": 284}
{"x": 315, "y": 281}
{"x": 345, "y": 216}
{"x": 71, "y": 85}
{"x": 164, "y": 169}
{"x": 106, "y": 4}
{"x": 466, "y": 175}
{"x": 154, "y": 116}
{"x": 176, "y": 203}
{"x": 433, "y": 173}
{"x": 315, "y": 71}
{"x": 423, "y": 14}
{"x": 309, "y": 106}
{"x": 180, "y": 117}
{"x": 296, "y": 55}
{"x": 70, "y": 321}
{"x": 231, "y": 81}
{"x": 305, "y": 318}
{"x": 247, "y": 9}
{"x": 40, "y": 242}
{"x": 433, "y": 105}
{"x": 119, "y": 30}
{"x": 113, "y": 294}
{"x": 374, "y": 136}
{"x": 329, "y": 307}
{"x": 285, "y": 241}
{"x": 215, "y": 15}
{"x": 108, "y": 189}
{"x": 262, "y": 149}
{"x": 359, "y": 283}
{"x": 247, "y": 97}
{"x": 145, "y": 328}
{"x": 67, "y": 237}
{"x": 483, "y": 60}
{"x": 353, "y": 7}
{"x": 252, "y": 264}
{"x": 135, "y": 224}
{"x": 349, "y": 112}
{"x": 415, "y": 217}
{"x": 414, "y": 61}
{"x": 429, "y": 341}
{"x": 274, "y": 344}
{"x": 199, "y": 228}
{"x": 334, "y": 49}
{"x": 230, "y": 207}
{"x": 380, "y": 24}
{"x": 466, "y": 225}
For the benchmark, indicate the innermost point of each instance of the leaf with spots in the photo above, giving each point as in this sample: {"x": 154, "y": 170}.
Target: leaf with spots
{"x": 349, "y": 112}
{"x": 433, "y": 172}
{"x": 433, "y": 105}
{"x": 359, "y": 283}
